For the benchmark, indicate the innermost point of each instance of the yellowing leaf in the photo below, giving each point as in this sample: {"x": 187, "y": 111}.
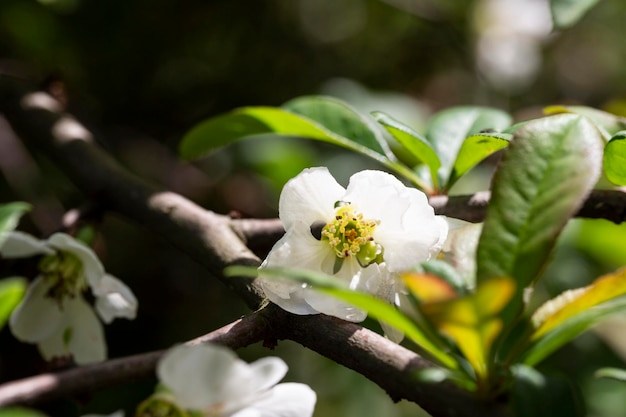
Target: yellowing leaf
{"x": 473, "y": 321}
{"x": 428, "y": 288}
{"x": 570, "y": 303}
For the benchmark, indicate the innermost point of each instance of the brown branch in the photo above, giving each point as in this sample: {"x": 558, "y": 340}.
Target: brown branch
{"x": 600, "y": 204}
{"x": 208, "y": 238}
{"x": 389, "y": 365}
{"x": 51, "y": 386}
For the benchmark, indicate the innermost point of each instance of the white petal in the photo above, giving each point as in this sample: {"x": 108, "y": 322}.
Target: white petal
{"x": 37, "y": 316}
{"x": 309, "y": 197}
{"x": 408, "y": 229}
{"x": 92, "y": 267}
{"x": 114, "y": 299}
{"x": 420, "y": 240}
{"x": 80, "y": 334}
{"x": 262, "y": 375}
{"x": 202, "y": 375}
{"x": 297, "y": 249}
{"x": 333, "y": 306}
{"x": 21, "y": 245}
{"x": 460, "y": 248}
{"x": 378, "y": 196}
{"x": 284, "y": 400}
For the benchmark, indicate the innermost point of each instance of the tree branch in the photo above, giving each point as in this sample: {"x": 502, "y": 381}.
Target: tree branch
{"x": 215, "y": 241}
{"x": 88, "y": 378}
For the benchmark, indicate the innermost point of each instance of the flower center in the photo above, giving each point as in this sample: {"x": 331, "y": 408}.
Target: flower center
{"x": 64, "y": 272}
{"x": 350, "y": 235}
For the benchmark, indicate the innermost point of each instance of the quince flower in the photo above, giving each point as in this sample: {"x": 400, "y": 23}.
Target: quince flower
{"x": 54, "y": 313}
{"x": 210, "y": 381}
{"x": 363, "y": 235}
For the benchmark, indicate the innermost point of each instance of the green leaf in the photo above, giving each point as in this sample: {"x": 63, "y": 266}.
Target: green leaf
{"x": 20, "y": 412}
{"x": 10, "y": 214}
{"x": 375, "y": 307}
{"x": 537, "y": 395}
{"x": 474, "y": 149}
{"x": 563, "y": 318}
{"x": 341, "y": 119}
{"x": 263, "y": 122}
{"x": 611, "y": 373}
{"x": 11, "y": 292}
{"x": 411, "y": 141}
{"x": 223, "y": 130}
{"x": 615, "y": 158}
{"x": 448, "y": 129}
{"x": 609, "y": 124}
{"x": 566, "y": 13}
{"x": 548, "y": 170}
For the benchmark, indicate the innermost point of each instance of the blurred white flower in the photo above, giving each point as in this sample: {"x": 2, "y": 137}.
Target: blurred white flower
{"x": 362, "y": 235}
{"x": 54, "y": 313}
{"x": 210, "y": 380}
{"x": 459, "y": 249}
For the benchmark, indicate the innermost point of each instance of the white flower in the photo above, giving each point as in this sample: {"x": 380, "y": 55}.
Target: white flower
{"x": 459, "y": 249}
{"x": 212, "y": 381}
{"x": 362, "y": 235}
{"x": 54, "y": 313}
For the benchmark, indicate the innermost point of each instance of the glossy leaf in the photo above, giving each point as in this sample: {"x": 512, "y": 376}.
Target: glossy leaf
{"x": 474, "y": 149}
{"x": 566, "y": 13}
{"x": 609, "y": 124}
{"x": 615, "y": 158}
{"x": 262, "y": 122}
{"x": 341, "y": 119}
{"x": 472, "y": 321}
{"x": 448, "y": 129}
{"x": 10, "y": 214}
{"x": 11, "y": 292}
{"x": 560, "y": 320}
{"x": 548, "y": 170}
{"x": 375, "y": 307}
{"x": 414, "y": 143}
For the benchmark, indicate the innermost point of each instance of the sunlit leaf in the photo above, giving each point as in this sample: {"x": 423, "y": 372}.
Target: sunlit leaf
{"x": 263, "y": 122}
{"x": 534, "y": 394}
{"x": 448, "y": 129}
{"x": 563, "y": 318}
{"x": 615, "y": 158}
{"x": 414, "y": 143}
{"x": 343, "y": 120}
{"x": 474, "y": 149}
{"x": 10, "y": 214}
{"x": 11, "y": 292}
{"x": 472, "y": 321}
{"x": 609, "y": 124}
{"x": 611, "y": 373}
{"x": 548, "y": 170}
{"x": 375, "y": 307}
{"x": 566, "y": 13}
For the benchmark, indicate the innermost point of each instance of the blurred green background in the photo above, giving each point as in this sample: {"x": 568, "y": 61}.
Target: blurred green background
{"x": 140, "y": 73}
